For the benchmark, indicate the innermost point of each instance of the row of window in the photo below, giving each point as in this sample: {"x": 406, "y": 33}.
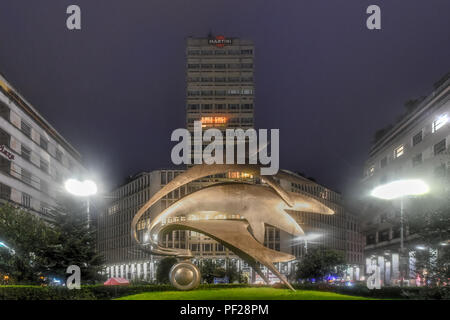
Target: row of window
{"x": 416, "y": 160}
{"x": 221, "y": 79}
{"x": 383, "y": 235}
{"x": 220, "y": 93}
{"x": 5, "y": 193}
{"x": 24, "y": 175}
{"x": 415, "y": 140}
{"x": 220, "y": 52}
{"x": 26, "y": 154}
{"x": 229, "y": 122}
{"x": 220, "y": 106}
{"x": 316, "y": 190}
{"x": 26, "y": 129}
{"x": 220, "y": 66}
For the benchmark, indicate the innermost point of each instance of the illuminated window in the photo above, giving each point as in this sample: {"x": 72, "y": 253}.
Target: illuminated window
{"x": 398, "y": 152}
{"x": 371, "y": 171}
{"x": 439, "y": 122}
{"x": 210, "y": 121}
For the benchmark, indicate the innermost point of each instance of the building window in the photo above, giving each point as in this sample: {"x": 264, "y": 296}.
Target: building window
{"x": 44, "y": 166}
{"x": 193, "y": 107}
{"x": 395, "y": 232}
{"x": 383, "y": 162}
{"x": 26, "y": 200}
{"x": 58, "y": 155}
{"x": 439, "y": 123}
{"x": 26, "y": 176}
{"x": 26, "y": 128}
{"x": 4, "y": 111}
{"x": 383, "y": 235}
{"x": 44, "y": 187}
{"x": 26, "y": 153}
{"x": 44, "y": 143}
{"x": 370, "y": 239}
{"x": 193, "y": 66}
{"x": 398, "y": 152}
{"x": 5, "y": 191}
{"x": 439, "y": 147}
{"x": 371, "y": 171}
{"x": 45, "y": 208}
{"x": 417, "y": 138}
{"x": 417, "y": 160}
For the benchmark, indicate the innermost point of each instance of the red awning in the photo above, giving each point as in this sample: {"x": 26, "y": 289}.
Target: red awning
{"x": 116, "y": 282}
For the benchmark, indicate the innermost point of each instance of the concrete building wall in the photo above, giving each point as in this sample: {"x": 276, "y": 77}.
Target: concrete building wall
{"x": 32, "y": 171}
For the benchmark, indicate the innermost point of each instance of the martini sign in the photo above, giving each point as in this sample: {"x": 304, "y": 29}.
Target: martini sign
{"x": 220, "y": 41}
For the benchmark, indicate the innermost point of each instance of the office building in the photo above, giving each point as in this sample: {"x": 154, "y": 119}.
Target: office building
{"x": 416, "y": 147}
{"x": 35, "y": 159}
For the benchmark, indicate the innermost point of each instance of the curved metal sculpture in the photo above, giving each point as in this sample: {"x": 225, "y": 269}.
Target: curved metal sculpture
{"x": 209, "y": 211}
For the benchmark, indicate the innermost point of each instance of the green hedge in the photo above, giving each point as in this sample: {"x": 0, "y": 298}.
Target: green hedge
{"x": 421, "y": 293}
{"x": 91, "y": 292}
{"x": 101, "y": 292}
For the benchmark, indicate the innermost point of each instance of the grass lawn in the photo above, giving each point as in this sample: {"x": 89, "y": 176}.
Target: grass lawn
{"x": 242, "y": 294}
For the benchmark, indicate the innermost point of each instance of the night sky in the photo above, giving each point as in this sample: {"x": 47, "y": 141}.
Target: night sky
{"x": 116, "y": 89}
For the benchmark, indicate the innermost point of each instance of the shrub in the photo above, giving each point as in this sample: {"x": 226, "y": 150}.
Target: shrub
{"x": 91, "y": 292}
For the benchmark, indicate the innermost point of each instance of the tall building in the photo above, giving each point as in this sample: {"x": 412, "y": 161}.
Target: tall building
{"x": 415, "y": 147}
{"x": 34, "y": 158}
{"x": 220, "y": 94}
{"x": 220, "y": 89}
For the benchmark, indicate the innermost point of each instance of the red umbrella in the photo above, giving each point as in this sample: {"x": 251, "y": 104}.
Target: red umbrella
{"x": 116, "y": 282}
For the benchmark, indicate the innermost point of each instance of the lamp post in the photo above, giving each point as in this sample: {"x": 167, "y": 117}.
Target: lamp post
{"x": 84, "y": 189}
{"x": 398, "y": 190}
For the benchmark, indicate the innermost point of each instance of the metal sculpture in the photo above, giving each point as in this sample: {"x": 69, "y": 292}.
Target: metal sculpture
{"x": 212, "y": 211}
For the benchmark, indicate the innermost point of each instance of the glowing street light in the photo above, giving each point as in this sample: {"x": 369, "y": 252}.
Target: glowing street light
{"x": 400, "y": 189}
{"x": 82, "y": 189}
{"x": 308, "y": 237}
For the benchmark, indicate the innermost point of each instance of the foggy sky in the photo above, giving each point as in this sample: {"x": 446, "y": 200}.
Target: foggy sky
{"x": 116, "y": 89}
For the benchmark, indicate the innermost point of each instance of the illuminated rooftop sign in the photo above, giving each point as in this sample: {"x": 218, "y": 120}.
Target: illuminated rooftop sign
{"x": 220, "y": 41}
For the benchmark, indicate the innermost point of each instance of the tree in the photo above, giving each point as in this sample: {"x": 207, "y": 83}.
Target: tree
{"x": 45, "y": 250}
{"x": 29, "y": 237}
{"x": 233, "y": 274}
{"x": 164, "y": 266}
{"x": 75, "y": 245}
{"x": 320, "y": 262}
{"x": 432, "y": 230}
{"x": 209, "y": 270}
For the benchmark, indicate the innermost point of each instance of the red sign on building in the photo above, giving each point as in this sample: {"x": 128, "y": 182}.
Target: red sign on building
{"x": 220, "y": 41}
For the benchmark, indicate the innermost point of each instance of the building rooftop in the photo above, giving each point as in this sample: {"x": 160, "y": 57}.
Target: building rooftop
{"x": 22, "y": 103}
{"x": 442, "y": 87}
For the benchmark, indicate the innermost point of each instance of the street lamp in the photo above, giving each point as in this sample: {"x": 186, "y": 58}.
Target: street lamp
{"x": 82, "y": 189}
{"x": 400, "y": 189}
{"x": 308, "y": 237}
